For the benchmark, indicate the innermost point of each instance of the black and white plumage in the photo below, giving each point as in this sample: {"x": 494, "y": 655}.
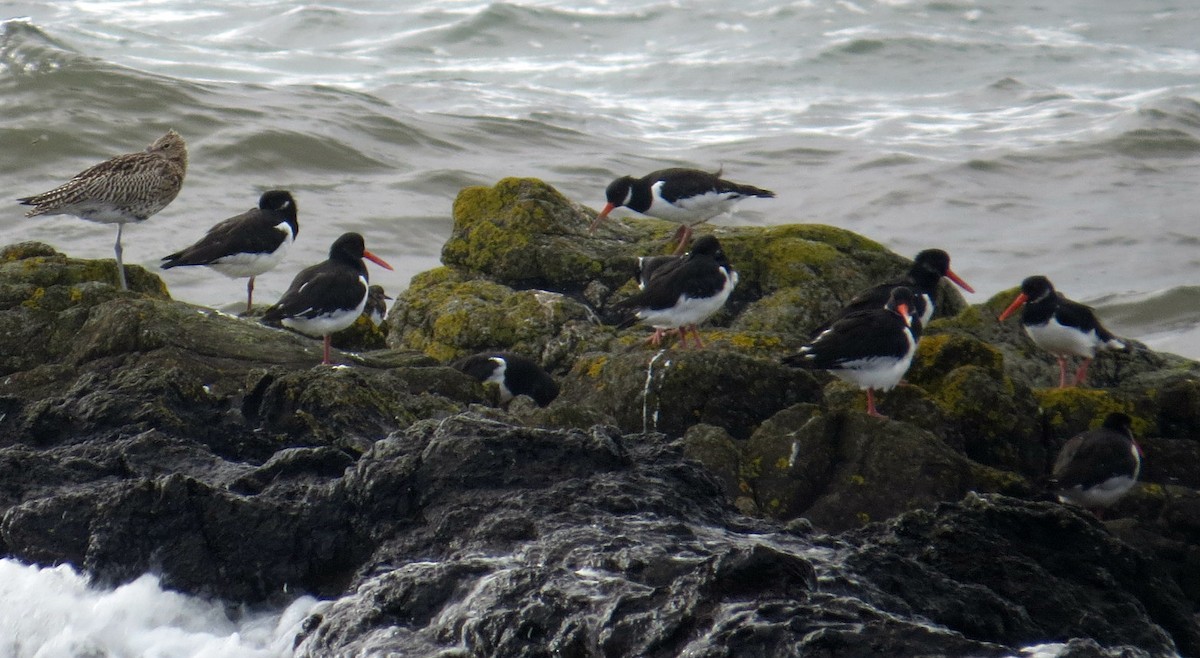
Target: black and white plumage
{"x": 123, "y": 189}
{"x": 329, "y": 296}
{"x": 376, "y": 307}
{"x": 683, "y": 292}
{"x": 247, "y": 245}
{"x": 1060, "y": 326}
{"x": 687, "y": 196}
{"x": 1096, "y": 468}
{"x": 872, "y": 348}
{"x": 514, "y": 374}
{"x": 923, "y": 277}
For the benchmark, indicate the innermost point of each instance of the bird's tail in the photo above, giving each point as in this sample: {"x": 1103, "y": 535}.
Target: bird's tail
{"x": 801, "y": 359}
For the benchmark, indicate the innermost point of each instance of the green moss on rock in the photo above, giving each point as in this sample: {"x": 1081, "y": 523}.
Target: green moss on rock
{"x": 448, "y": 316}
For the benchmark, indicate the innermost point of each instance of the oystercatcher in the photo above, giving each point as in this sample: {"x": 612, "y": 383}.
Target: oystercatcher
{"x": 1060, "y": 326}
{"x": 249, "y": 244}
{"x": 329, "y": 296}
{"x": 871, "y": 348}
{"x": 123, "y": 189}
{"x": 683, "y": 292}
{"x": 515, "y": 375}
{"x": 1095, "y": 468}
{"x": 922, "y": 278}
{"x": 688, "y": 196}
{"x": 376, "y": 307}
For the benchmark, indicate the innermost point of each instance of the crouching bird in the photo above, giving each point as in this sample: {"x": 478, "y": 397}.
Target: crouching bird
{"x": 1096, "y": 468}
{"x": 513, "y": 373}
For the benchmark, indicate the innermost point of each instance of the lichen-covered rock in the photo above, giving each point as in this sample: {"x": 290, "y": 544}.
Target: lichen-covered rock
{"x": 34, "y": 266}
{"x": 522, "y": 234}
{"x": 671, "y": 390}
{"x": 447, "y": 314}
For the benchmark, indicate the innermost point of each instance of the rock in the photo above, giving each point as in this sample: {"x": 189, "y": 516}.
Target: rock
{"x": 138, "y": 433}
{"x": 669, "y": 391}
{"x": 1014, "y": 557}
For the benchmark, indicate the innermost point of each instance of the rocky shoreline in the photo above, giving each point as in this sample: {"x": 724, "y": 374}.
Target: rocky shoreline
{"x": 700, "y": 502}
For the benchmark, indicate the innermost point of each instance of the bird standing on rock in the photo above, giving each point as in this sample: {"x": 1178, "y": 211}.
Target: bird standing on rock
{"x": 329, "y": 296}
{"x": 249, "y": 244}
{"x": 923, "y": 277}
{"x": 682, "y": 293}
{"x": 687, "y": 196}
{"x": 872, "y": 348}
{"x": 123, "y": 189}
{"x": 1060, "y": 326}
{"x": 1096, "y": 468}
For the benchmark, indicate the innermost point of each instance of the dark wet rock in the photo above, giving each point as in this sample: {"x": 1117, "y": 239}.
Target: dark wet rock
{"x": 1012, "y": 560}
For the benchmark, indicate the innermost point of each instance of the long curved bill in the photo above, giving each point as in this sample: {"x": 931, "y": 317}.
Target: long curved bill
{"x": 375, "y": 259}
{"x": 601, "y": 217}
{"x": 958, "y": 281}
{"x": 1012, "y": 308}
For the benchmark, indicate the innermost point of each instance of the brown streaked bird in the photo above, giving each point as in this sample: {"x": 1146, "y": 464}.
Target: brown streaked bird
{"x": 127, "y": 188}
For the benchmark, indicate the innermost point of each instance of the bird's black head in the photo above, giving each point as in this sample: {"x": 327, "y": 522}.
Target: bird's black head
{"x": 1119, "y": 422}
{"x": 1036, "y": 287}
{"x": 619, "y": 191}
{"x": 281, "y": 201}
{"x": 708, "y": 245}
{"x": 933, "y": 260}
{"x": 902, "y": 301}
{"x": 349, "y": 246}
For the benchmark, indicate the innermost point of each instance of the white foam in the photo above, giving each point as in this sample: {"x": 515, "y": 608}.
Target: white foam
{"x": 54, "y": 613}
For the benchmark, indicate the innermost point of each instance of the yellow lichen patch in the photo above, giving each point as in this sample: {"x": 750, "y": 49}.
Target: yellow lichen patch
{"x": 34, "y": 300}
{"x": 940, "y": 354}
{"x": 1072, "y": 409}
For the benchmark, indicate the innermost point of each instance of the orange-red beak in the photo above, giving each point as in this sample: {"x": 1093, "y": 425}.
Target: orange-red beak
{"x": 601, "y": 217}
{"x": 902, "y": 309}
{"x": 1012, "y": 308}
{"x": 959, "y": 282}
{"x": 375, "y": 259}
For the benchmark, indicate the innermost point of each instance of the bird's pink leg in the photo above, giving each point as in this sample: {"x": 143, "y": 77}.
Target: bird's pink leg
{"x": 326, "y": 360}
{"x": 871, "y": 410}
{"x": 249, "y": 295}
{"x": 1062, "y": 372}
{"x": 684, "y": 236}
{"x": 1081, "y": 374}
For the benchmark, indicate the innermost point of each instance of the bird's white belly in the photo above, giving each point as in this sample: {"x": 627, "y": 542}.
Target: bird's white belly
{"x": 879, "y": 373}
{"x": 692, "y": 210}
{"x": 1102, "y": 495}
{"x": 688, "y": 310}
{"x": 497, "y": 378}
{"x": 1061, "y": 340}
{"x": 243, "y": 265}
